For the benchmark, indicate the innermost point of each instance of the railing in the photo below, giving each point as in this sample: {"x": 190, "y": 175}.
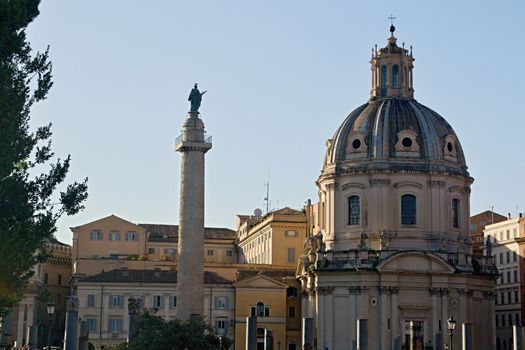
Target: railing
{"x": 108, "y": 335}
{"x": 207, "y": 139}
{"x": 348, "y": 259}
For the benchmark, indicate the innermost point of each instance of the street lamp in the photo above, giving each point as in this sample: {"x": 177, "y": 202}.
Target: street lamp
{"x": 451, "y": 323}
{"x": 50, "y": 312}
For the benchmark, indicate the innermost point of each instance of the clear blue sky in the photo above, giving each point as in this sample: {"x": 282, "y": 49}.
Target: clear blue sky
{"x": 281, "y": 76}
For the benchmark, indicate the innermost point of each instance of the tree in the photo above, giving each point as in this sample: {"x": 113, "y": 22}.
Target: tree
{"x": 155, "y": 333}
{"x": 31, "y": 201}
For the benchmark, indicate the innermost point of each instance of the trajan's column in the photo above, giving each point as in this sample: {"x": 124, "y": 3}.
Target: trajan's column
{"x": 192, "y": 144}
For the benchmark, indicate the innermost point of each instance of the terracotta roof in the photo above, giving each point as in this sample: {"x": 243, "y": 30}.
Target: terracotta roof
{"x": 149, "y": 276}
{"x": 169, "y": 233}
{"x": 278, "y": 275}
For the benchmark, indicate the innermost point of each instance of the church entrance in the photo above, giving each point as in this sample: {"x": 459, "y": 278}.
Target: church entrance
{"x": 413, "y": 335}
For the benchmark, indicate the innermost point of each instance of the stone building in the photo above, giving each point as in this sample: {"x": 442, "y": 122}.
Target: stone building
{"x": 507, "y": 243}
{"x": 29, "y": 322}
{"x": 103, "y": 301}
{"x": 477, "y": 226}
{"x": 394, "y": 251}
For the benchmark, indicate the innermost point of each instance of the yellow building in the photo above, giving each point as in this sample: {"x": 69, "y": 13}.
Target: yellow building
{"x": 272, "y": 296}
{"x": 29, "y": 322}
{"x": 274, "y": 239}
{"x": 255, "y": 264}
{"x": 112, "y": 243}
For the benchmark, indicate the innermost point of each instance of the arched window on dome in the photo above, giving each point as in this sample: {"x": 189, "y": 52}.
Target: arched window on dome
{"x": 354, "y": 210}
{"x": 383, "y": 80}
{"x": 395, "y": 76}
{"x": 455, "y": 213}
{"x": 408, "y": 209}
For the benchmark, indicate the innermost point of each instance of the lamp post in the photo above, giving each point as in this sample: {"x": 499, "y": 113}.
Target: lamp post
{"x": 50, "y": 312}
{"x": 451, "y": 323}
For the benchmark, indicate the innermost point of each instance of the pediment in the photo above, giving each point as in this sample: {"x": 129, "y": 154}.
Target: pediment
{"x": 415, "y": 262}
{"x": 261, "y": 281}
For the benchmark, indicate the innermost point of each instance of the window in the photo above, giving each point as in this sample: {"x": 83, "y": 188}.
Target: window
{"x": 291, "y": 255}
{"x": 158, "y": 301}
{"x": 91, "y": 300}
{"x": 210, "y": 252}
{"x": 131, "y": 236}
{"x": 503, "y": 320}
{"x": 291, "y": 312}
{"x": 508, "y": 257}
{"x": 170, "y": 251}
{"x": 229, "y": 252}
{"x": 473, "y": 227}
{"x": 354, "y": 210}
{"x": 114, "y": 236}
{"x": 221, "y": 303}
{"x": 173, "y": 301}
{"x": 115, "y": 325}
{"x": 508, "y": 234}
{"x": 514, "y": 256}
{"x": 515, "y": 275}
{"x": 46, "y": 278}
{"x": 395, "y": 76}
{"x": 455, "y": 213}
{"x": 96, "y": 235}
{"x": 408, "y": 209}
{"x": 221, "y": 325}
{"x": 517, "y": 319}
{"x": 501, "y": 258}
{"x": 508, "y": 277}
{"x": 510, "y": 319}
{"x": 497, "y": 320}
{"x": 92, "y": 324}
{"x": 290, "y": 233}
{"x": 291, "y": 292}
{"x": 260, "y": 309}
{"x": 516, "y": 297}
{"x": 115, "y": 301}
{"x": 383, "y": 80}
{"x": 502, "y": 298}
{"x": 59, "y": 280}
{"x": 151, "y": 250}
{"x": 509, "y": 299}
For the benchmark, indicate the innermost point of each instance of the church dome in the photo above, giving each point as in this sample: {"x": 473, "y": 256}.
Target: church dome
{"x": 396, "y": 133}
{"x": 393, "y": 132}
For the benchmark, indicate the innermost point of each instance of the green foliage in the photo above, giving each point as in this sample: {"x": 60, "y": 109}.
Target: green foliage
{"x": 155, "y": 333}
{"x": 29, "y": 203}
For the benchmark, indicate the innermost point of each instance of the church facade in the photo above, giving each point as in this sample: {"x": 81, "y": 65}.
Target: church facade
{"x": 390, "y": 258}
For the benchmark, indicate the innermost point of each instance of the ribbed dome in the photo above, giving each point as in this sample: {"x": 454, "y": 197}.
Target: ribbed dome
{"x": 396, "y": 134}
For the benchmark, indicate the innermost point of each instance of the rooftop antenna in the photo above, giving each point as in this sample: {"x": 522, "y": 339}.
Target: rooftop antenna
{"x": 267, "y": 198}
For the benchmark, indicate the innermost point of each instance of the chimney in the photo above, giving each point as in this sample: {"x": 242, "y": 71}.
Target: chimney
{"x": 509, "y": 216}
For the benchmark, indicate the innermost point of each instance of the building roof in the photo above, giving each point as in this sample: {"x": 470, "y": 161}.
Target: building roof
{"x": 170, "y": 233}
{"x": 278, "y": 275}
{"x": 148, "y": 276}
{"x": 372, "y": 133}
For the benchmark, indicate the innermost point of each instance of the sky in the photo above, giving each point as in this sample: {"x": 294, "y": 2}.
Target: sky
{"x": 281, "y": 77}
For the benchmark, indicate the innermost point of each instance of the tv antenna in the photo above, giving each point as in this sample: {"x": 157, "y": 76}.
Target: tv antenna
{"x": 267, "y": 198}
